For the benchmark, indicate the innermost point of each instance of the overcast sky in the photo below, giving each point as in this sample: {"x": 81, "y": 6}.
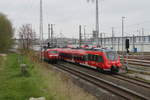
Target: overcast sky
{"x": 68, "y": 14}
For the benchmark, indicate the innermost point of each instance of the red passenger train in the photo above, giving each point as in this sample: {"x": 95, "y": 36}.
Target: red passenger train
{"x": 101, "y": 59}
{"x": 51, "y": 55}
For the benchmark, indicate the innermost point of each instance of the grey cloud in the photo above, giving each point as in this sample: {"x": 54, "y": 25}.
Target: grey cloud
{"x": 68, "y": 14}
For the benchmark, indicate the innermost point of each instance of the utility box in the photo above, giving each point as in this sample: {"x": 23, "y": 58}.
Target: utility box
{"x": 135, "y": 50}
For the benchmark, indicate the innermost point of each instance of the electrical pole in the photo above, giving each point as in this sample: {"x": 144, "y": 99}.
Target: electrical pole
{"x": 142, "y": 42}
{"x": 133, "y": 43}
{"x": 52, "y": 35}
{"x": 123, "y": 35}
{"x": 49, "y": 29}
{"x": 123, "y": 40}
{"x": 41, "y": 26}
{"x": 118, "y": 43}
{"x": 112, "y": 38}
{"x": 97, "y": 21}
{"x": 101, "y": 35}
{"x": 84, "y": 34}
{"x": 104, "y": 40}
{"x": 80, "y": 36}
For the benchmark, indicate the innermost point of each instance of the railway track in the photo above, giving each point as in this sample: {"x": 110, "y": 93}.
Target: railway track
{"x": 134, "y": 81}
{"x": 145, "y": 63}
{"x": 108, "y": 85}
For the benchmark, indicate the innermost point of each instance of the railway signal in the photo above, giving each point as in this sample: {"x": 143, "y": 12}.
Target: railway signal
{"x": 127, "y": 45}
{"x": 48, "y": 44}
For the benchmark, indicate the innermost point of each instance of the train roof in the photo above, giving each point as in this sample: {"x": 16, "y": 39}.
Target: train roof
{"x": 103, "y": 49}
{"x": 52, "y": 49}
{"x": 80, "y": 52}
{"x": 73, "y": 51}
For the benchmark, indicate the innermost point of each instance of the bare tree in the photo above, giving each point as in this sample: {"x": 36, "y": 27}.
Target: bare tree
{"x": 26, "y": 35}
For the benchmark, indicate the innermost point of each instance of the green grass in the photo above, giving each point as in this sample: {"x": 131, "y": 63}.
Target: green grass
{"x": 15, "y": 86}
{"x": 38, "y": 82}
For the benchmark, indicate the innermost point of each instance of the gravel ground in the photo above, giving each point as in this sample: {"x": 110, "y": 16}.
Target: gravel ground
{"x": 141, "y": 76}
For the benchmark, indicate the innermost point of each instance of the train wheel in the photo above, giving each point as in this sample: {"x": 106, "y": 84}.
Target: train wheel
{"x": 77, "y": 63}
{"x": 100, "y": 69}
{"x": 114, "y": 69}
{"x": 55, "y": 61}
{"x": 50, "y": 61}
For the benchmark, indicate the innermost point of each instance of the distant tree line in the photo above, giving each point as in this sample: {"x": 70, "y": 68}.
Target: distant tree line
{"x": 6, "y": 33}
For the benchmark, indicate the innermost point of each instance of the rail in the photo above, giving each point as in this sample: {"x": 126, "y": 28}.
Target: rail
{"x": 145, "y": 63}
{"x": 107, "y": 85}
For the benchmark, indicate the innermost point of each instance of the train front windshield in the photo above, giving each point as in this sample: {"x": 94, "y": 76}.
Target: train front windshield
{"x": 112, "y": 55}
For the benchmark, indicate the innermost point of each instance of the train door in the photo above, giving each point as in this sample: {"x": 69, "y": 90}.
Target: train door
{"x": 100, "y": 61}
{"x": 95, "y": 63}
{"x": 85, "y": 57}
{"x": 91, "y": 60}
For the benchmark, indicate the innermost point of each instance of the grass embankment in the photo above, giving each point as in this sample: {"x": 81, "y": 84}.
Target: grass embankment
{"x": 40, "y": 81}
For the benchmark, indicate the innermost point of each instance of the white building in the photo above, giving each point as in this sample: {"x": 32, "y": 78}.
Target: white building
{"x": 138, "y": 43}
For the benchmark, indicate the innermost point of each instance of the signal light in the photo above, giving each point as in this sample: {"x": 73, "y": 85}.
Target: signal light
{"x": 127, "y": 44}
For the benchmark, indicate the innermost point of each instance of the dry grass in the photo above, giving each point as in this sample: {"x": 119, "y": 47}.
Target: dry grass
{"x": 59, "y": 85}
{"x": 62, "y": 87}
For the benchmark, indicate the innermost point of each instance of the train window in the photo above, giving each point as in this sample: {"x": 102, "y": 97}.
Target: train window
{"x": 112, "y": 55}
{"x": 100, "y": 59}
{"x": 90, "y": 57}
{"x": 75, "y": 57}
{"x": 79, "y": 58}
{"x": 53, "y": 52}
{"x": 62, "y": 54}
{"x": 69, "y": 56}
{"x": 94, "y": 57}
{"x": 82, "y": 58}
{"x": 85, "y": 57}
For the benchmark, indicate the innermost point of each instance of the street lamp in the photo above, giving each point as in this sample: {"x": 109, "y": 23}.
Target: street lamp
{"x": 123, "y": 33}
{"x": 41, "y": 27}
{"x": 85, "y": 33}
{"x": 103, "y": 40}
